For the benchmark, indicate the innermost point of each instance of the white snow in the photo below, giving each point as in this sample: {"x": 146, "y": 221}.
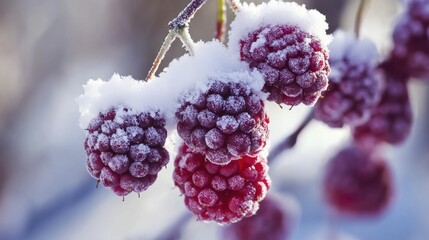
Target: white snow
{"x": 252, "y": 17}
{"x": 345, "y": 45}
{"x": 188, "y": 75}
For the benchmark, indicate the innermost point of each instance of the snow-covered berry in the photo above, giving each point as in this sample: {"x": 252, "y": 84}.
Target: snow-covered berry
{"x": 271, "y": 222}
{"x": 287, "y": 44}
{"x": 355, "y": 85}
{"x": 125, "y": 149}
{"x": 294, "y": 64}
{"x": 221, "y": 193}
{"x": 357, "y": 185}
{"x": 226, "y": 122}
{"x": 392, "y": 118}
{"x": 411, "y": 39}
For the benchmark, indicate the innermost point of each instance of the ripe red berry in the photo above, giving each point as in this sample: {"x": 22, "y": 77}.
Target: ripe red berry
{"x": 411, "y": 39}
{"x": 224, "y": 194}
{"x": 391, "y": 119}
{"x": 125, "y": 149}
{"x": 294, "y": 63}
{"x": 356, "y": 185}
{"x": 271, "y": 222}
{"x": 355, "y": 85}
{"x": 225, "y": 123}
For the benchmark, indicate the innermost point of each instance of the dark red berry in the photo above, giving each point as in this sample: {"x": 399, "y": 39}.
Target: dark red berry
{"x": 227, "y": 122}
{"x": 293, "y": 63}
{"x": 355, "y": 184}
{"x": 391, "y": 119}
{"x": 271, "y": 222}
{"x": 224, "y": 194}
{"x": 355, "y": 85}
{"x": 411, "y": 39}
{"x": 125, "y": 149}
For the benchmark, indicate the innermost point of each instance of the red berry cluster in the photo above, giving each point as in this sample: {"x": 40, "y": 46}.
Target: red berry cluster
{"x": 225, "y": 123}
{"x": 125, "y": 149}
{"x": 357, "y": 185}
{"x": 221, "y": 193}
{"x": 294, "y": 64}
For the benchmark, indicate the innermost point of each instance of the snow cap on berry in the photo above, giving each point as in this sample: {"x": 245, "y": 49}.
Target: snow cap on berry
{"x": 345, "y": 45}
{"x": 252, "y": 17}
{"x": 162, "y": 93}
{"x": 211, "y": 60}
{"x": 101, "y": 95}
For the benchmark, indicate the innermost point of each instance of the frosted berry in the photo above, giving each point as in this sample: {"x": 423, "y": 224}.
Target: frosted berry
{"x": 411, "y": 39}
{"x": 294, "y": 63}
{"x": 225, "y": 123}
{"x": 221, "y": 193}
{"x": 355, "y": 85}
{"x": 270, "y": 223}
{"x": 125, "y": 149}
{"x": 391, "y": 119}
{"x": 357, "y": 185}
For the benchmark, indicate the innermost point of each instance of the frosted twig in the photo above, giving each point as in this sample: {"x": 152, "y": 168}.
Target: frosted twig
{"x": 182, "y": 20}
{"x": 359, "y": 15}
{"x": 178, "y": 28}
{"x": 221, "y": 20}
{"x": 174, "y": 231}
{"x": 161, "y": 54}
{"x": 234, "y": 5}
{"x": 290, "y": 141}
{"x": 186, "y": 39}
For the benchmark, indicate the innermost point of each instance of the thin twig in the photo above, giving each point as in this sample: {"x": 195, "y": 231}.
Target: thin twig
{"x": 161, "y": 54}
{"x": 234, "y": 5}
{"x": 221, "y": 20}
{"x": 359, "y": 15}
{"x": 175, "y": 230}
{"x": 178, "y": 28}
{"x": 290, "y": 141}
{"x": 186, "y": 39}
{"x": 182, "y": 20}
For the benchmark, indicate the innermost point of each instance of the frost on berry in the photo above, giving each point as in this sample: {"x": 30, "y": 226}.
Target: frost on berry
{"x": 411, "y": 39}
{"x": 125, "y": 149}
{"x": 355, "y": 84}
{"x": 293, "y": 62}
{"x": 391, "y": 119}
{"x": 355, "y": 184}
{"x": 226, "y": 122}
{"x": 221, "y": 193}
{"x": 271, "y": 222}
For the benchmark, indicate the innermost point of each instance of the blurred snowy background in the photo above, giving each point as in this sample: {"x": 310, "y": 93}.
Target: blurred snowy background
{"x": 49, "y": 48}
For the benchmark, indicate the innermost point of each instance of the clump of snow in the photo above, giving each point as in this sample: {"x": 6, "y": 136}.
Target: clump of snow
{"x": 193, "y": 75}
{"x": 188, "y": 75}
{"x": 101, "y": 95}
{"x": 345, "y": 46}
{"x": 252, "y": 17}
